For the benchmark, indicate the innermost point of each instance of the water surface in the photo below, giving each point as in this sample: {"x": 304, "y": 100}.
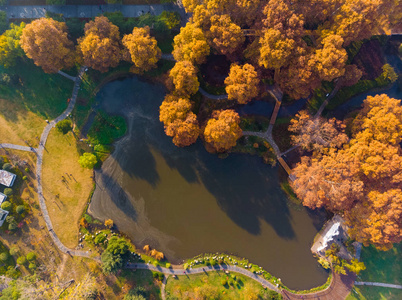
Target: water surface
{"x": 185, "y": 201}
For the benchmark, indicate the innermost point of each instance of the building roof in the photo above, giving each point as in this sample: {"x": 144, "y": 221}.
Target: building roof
{"x": 7, "y": 178}
{"x": 2, "y": 198}
{"x": 3, "y": 215}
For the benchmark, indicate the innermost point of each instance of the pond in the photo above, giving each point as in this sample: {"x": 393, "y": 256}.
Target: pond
{"x": 186, "y": 201}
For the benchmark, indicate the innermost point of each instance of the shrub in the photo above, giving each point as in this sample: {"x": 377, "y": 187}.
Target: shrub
{"x": 3, "y": 256}
{"x": 224, "y": 282}
{"x": 8, "y": 191}
{"x": 168, "y": 265}
{"x": 13, "y": 250}
{"x": 400, "y": 49}
{"x": 7, "y": 166}
{"x": 84, "y": 223}
{"x": 12, "y": 226}
{"x": 32, "y": 266}
{"x": 156, "y": 263}
{"x": 31, "y": 256}
{"x": 24, "y": 178}
{"x": 21, "y": 260}
{"x": 88, "y": 160}
{"x": 6, "y": 205}
{"x": 20, "y": 209}
{"x": 109, "y": 223}
{"x": 27, "y": 170}
{"x": 88, "y": 218}
{"x": 64, "y": 126}
{"x": 55, "y": 2}
{"x": 100, "y": 239}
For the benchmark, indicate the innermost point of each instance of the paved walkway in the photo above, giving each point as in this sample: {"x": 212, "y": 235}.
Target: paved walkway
{"x": 86, "y": 11}
{"x": 210, "y": 96}
{"x": 39, "y": 162}
{"x": 200, "y": 270}
{"x": 18, "y": 147}
{"x": 387, "y": 285}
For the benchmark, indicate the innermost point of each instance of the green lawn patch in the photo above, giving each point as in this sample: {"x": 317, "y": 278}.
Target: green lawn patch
{"x": 255, "y": 145}
{"x": 106, "y": 129}
{"x": 382, "y": 266}
{"x": 43, "y": 94}
{"x": 281, "y": 134}
{"x": 254, "y": 123}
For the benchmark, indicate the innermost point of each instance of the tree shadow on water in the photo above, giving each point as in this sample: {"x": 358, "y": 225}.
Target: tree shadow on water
{"x": 117, "y": 194}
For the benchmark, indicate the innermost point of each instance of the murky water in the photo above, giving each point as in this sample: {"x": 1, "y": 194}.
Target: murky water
{"x": 186, "y": 201}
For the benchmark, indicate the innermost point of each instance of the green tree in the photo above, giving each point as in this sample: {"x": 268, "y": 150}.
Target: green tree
{"x": 6, "y": 205}
{"x": 20, "y": 209}
{"x": 355, "y": 266}
{"x": 115, "y": 255}
{"x": 64, "y": 126}
{"x": 3, "y": 256}
{"x": 10, "y": 48}
{"x": 88, "y": 160}
{"x": 21, "y": 260}
{"x": 31, "y": 256}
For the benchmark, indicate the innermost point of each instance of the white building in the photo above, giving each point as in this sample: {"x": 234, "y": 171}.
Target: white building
{"x": 7, "y": 178}
{"x": 2, "y": 198}
{"x": 3, "y": 216}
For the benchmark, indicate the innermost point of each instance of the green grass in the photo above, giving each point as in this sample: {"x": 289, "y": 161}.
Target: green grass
{"x": 374, "y": 293}
{"x": 254, "y": 123}
{"x": 281, "y": 135}
{"x": 106, "y": 129}
{"x": 211, "y": 89}
{"x": 216, "y": 285}
{"x": 254, "y": 145}
{"x": 43, "y": 94}
{"x": 382, "y": 266}
{"x": 142, "y": 278}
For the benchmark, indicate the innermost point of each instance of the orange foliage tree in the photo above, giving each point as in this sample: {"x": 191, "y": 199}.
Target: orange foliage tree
{"x": 184, "y": 77}
{"x": 242, "y": 83}
{"x": 317, "y": 133}
{"x": 46, "y": 42}
{"x": 190, "y": 44}
{"x": 364, "y": 178}
{"x": 100, "y": 47}
{"x": 143, "y": 49}
{"x": 224, "y": 35}
{"x": 180, "y": 123}
{"x": 222, "y": 130}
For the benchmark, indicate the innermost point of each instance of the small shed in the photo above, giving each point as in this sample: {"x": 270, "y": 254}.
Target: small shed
{"x": 3, "y": 216}
{"x": 7, "y": 178}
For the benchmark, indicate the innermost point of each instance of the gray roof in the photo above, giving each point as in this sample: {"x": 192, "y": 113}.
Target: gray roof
{"x": 2, "y": 198}
{"x": 7, "y": 178}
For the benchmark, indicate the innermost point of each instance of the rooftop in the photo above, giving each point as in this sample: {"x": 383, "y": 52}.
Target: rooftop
{"x": 7, "y": 178}
{"x": 2, "y": 198}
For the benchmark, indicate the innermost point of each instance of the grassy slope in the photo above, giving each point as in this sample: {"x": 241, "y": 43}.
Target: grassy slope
{"x": 65, "y": 211}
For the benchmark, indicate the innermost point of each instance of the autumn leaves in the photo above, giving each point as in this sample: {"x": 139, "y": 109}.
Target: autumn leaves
{"x": 46, "y": 42}
{"x": 360, "y": 177}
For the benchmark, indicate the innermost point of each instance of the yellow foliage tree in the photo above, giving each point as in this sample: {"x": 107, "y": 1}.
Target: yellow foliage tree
{"x": 242, "y": 83}
{"x": 45, "y": 41}
{"x": 224, "y": 35}
{"x": 143, "y": 49}
{"x": 184, "y": 132}
{"x": 222, "y": 130}
{"x": 100, "y": 47}
{"x": 190, "y": 45}
{"x": 275, "y": 49}
{"x": 173, "y": 108}
{"x": 184, "y": 77}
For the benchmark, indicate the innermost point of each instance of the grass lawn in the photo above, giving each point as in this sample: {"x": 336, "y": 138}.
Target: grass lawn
{"x": 382, "y": 266}
{"x": 43, "y": 94}
{"x": 65, "y": 201}
{"x": 374, "y": 293}
{"x": 130, "y": 279}
{"x": 281, "y": 134}
{"x": 17, "y": 124}
{"x": 217, "y": 285}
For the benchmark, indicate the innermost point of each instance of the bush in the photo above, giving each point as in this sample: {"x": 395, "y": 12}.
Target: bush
{"x": 88, "y": 160}
{"x": 109, "y": 223}
{"x": 84, "y": 223}
{"x": 400, "y": 49}
{"x": 8, "y": 191}
{"x": 24, "y": 178}
{"x": 21, "y": 260}
{"x": 27, "y": 170}
{"x": 20, "y": 209}
{"x": 31, "y": 256}
{"x": 12, "y": 226}
{"x": 13, "y": 250}
{"x": 64, "y": 126}
{"x": 168, "y": 265}
{"x": 224, "y": 282}
{"x": 6, "y": 205}
{"x": 100, "y": 239}
{"x": 32, "y": 266}
{"x": 7, "y": 166}
{"x": 3, "y": 256}
{"x": 88, "y": 218}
